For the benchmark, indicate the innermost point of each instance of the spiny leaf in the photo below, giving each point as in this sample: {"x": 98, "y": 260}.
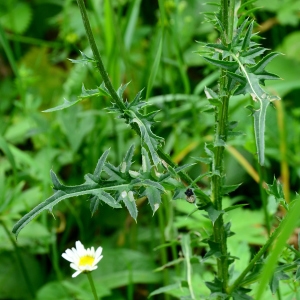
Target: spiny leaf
{"x": 129, "y": 201}
{"x": 66, "y": 104}
{"x": 56, "y": 183}
{"x": 154, "y": 197}
{"x": 126, "y": 164}
{"x": 100, "y": 164}
{"x": 121, "y": 90}
{"x": 227, "y": 65}
{"x": 106, "y": 198}
{"x": 99, "y": 91}
{"x": 85, "y": 59}
{"x": 246, "y": 41}
{"x": 226, "y": 189}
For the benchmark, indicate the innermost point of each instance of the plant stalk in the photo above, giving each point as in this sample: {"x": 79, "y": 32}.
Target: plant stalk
{"x": 100, "y": 66}
{"x": 91, "y": 281}
{"x": 221, "y": 124}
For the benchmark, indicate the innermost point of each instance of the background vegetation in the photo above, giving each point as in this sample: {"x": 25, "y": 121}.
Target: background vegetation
{"x": 37, "y": 38}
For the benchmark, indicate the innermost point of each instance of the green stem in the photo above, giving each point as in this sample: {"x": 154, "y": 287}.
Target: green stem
{"x": 99, "y": 62}
{"x": 258, "y": 255}
{"x": 164, "y": 156}
{"x": 91, "y": 281}
{"x": 221, "y": 120}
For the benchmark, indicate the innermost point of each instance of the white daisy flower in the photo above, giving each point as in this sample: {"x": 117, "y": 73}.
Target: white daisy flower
{"x": 83, "y": 260}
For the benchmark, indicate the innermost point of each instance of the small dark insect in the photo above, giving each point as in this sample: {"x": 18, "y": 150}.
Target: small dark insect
{"x": 190, "y": 196}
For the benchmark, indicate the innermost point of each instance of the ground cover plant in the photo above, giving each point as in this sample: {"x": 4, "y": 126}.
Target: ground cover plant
{"x": 184, "y": 178}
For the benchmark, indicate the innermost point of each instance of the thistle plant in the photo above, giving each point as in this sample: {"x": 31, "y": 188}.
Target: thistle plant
{"x": 242, "y": 63}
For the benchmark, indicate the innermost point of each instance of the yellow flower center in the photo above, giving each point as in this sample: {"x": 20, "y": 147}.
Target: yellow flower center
{"x": 86, "y": 260}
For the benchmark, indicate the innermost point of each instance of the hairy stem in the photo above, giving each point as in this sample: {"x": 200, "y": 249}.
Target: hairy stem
{"x": 221, "y": 120}
{"x": 100, "y": 66}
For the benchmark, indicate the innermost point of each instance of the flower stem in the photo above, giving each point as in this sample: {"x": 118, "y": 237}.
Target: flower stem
{"x": 91, "y": 281}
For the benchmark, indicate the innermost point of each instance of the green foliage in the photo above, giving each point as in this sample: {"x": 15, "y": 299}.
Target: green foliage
{"x": 245, "y": 76}
{"x": 153, "y": 48}
{"x": 120, "y": 186}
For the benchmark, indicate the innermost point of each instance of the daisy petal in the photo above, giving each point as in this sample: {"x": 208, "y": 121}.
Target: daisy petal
{"x": 76, "y": 273}
{"x": 67, "y": 257}
{"x": 98, "y": 251}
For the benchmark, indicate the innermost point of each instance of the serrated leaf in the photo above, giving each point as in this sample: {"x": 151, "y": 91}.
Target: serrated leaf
{"x": 215, "y": 286}
{"x": 215, "y": 102}
{"x": 99, "y": 91}
{"x": 129, "y": 201}
{"x": 274, "y": 282}
{"x": 126, "y": 164}
{"x": 205, "y": 160}
{"x": 154, "y": 197}
{"x": 94, "y": 204}
{"x": 121, "y": 90}
{"x": 56, "y": 183}
{"x": 297, "y": 274}
{"x": 213, "y": 213}
{"x": 144, "y": 123}
{"x": 113, "y": 172}
{"x": 146, "y": 163}
{"x": 229, "y": 208}
{"x": 214, "y": 250}
{"x": 183, "y": 167}
{"x": 100, "y": 164}
{"x": 227, "y": 65}
{"x": 276, "y": 190}
{"x": 154, "y": 184}
{"x": 240, "y": 294}
{"x": 85, "y": 59}
{"x": 66, "y": 104}
{"x": 226, "y": 189}
{"x": 246, "y": 40}
{"x": 254, "y": 77}
{"x": 107, "y": 198}
{"x": 210, "y": 94}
